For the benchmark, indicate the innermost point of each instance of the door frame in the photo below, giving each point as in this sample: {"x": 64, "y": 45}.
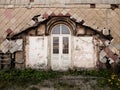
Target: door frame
{"x": 60, "y": 36}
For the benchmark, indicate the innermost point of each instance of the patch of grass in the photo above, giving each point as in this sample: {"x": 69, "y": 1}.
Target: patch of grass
{"x": 34, "y": 88}
{"x": 96, "y": 73}
{"x": 29, "y": 76}
{"x": 26, "y": 76}
{"x": 101, "y": 82}
{"x": 61, "y": 85}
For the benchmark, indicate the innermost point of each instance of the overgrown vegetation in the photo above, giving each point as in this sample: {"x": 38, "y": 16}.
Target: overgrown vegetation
{"x": 28, "y": 76}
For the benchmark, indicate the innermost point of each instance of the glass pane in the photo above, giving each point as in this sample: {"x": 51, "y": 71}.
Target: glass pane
{"x": 56, "y": 29}
{"x": 65, "y": 51}
{"x": 55, "y": 45}
{"x": 65, "y": 45}
{"x": 65, "y": 30}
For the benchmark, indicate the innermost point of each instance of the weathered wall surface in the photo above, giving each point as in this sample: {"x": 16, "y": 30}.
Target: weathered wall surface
{"x": 19, "y": 60}
{"x": 84, "y": 52}
{"x": 21, "y": 2}
{"x": 18, "y": 19}
{"x": 16, "y": 16}
{"x": 36, "y": 52}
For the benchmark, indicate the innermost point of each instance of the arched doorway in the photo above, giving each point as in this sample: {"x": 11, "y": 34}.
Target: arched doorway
{"x": 60, "y": 47}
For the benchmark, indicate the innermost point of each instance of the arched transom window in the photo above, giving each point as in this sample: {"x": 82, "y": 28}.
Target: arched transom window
{"x": 60, "y": 29}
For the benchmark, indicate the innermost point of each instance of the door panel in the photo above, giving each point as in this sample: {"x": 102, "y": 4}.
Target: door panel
{"x": 65, "y": 56}
{"x": 60, "y": 57}
{"x": 55, "y": 56}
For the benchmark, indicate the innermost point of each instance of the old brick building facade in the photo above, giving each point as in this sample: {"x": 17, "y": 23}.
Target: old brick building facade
{"x": 59, "y": 34}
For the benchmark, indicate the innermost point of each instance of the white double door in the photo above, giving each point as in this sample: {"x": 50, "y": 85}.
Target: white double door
{"x": 60, "y": 52}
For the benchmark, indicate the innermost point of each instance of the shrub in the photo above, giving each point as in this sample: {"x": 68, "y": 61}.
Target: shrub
{"x": 114, "y": 81}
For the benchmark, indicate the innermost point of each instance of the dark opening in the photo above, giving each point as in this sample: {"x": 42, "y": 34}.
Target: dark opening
{"x": 114, "y": 6}
{"x": 92, "y": 6}
{"x": 31, "y": 0}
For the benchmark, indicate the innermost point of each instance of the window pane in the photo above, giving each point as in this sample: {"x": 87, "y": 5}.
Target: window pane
{"x": 56, "y": 29}
{"x": 65, "y": 51}
{"x": 65, "y": 30}
{"x": 65, "y": 45}
{"x": 55, "y": 45}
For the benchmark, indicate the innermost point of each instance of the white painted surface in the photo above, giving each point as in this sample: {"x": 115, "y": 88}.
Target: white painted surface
{"x": 19, "y": 42}
{"x": 84, "y": 53}
{"x": 16, "y": 45}
{"x": 11, "y": 45}
{"x": 61, "y": 61}
{"x": 37, "y": 52}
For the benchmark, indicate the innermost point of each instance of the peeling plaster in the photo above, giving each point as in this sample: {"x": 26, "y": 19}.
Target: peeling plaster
{"x": 36, "y": 52}
{"x": 84, "y": 52}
